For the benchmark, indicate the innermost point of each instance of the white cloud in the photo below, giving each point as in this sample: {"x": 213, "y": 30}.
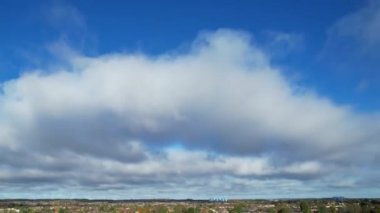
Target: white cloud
{"x": 304, "y": 167}
{"x": 118, "y": 113}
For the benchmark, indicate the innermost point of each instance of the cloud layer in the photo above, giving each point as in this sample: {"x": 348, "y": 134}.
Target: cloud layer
{"x": 218, "y": 116}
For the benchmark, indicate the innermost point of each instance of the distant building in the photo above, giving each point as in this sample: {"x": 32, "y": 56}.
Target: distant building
{"x": 338, "y": 199}
{"x": 219, "y": 199}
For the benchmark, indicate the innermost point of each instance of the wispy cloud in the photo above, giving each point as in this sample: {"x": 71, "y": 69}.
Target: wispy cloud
{"x": 70, "y": 26}
{"x": 65, "y": 17}
{"x": 280, "y": 44}
{"x": 351, "y": 50}
{"x": 361, "y": 26}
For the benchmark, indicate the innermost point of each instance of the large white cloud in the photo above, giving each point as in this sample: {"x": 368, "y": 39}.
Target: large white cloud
{"x": 117, "y": 116}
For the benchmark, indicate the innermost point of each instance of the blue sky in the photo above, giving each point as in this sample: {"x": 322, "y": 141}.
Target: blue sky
{"x": 126, "y": 90}
{"x": 156, "y": 27}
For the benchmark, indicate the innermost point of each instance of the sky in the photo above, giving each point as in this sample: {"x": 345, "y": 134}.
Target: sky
{"x": 191, "y": 99}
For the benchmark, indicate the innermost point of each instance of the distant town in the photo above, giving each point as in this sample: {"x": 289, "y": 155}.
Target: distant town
{"x": 328, "y": 205}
